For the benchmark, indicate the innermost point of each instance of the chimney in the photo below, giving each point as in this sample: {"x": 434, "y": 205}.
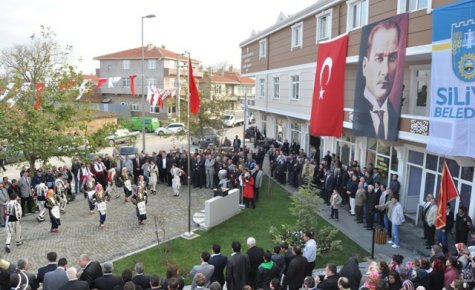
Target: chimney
{"x": 163, "y": 46}
{"x": 149, "y": 47}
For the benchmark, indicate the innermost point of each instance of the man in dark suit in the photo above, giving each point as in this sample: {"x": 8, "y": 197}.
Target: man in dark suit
{"x": 296, "y": 271}
{"x": 108, "y": 281}
{"x": 91, "y": 270}
{"x": 74, "y": 283}
{"x": 140, "y": 278}
{"x": 237, "y": 268}
{"x": 137, "y": 163}
{"x": 55, "y": 279}
{"x": 219, "y": 262}
{"x": 375, "y": 115}
{"x": 51, "y": 257}
{"x": 256, "y": 257}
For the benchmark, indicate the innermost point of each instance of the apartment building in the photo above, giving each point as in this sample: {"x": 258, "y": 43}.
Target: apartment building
{"x": 282, "y": 59}
{"x": 230, "y": 87}
{"x": 162, "y": 69}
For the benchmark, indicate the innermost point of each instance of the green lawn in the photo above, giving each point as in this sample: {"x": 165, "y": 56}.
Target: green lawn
{"x": 272, "y": 209}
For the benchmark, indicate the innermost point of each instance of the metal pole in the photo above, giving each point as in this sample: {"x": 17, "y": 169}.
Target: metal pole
{"x": 189, "y": 149}
{"x": 177, "y": 108}
{"x": 143, "y": 96}
{"x": 143, "y": 82}
{"x": 245, "y": 122}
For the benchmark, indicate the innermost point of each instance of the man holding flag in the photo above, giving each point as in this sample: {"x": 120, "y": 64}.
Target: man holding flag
{"x": 447, "y": 193}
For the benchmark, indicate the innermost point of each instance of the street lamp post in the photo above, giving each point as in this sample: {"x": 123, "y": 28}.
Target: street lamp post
{"x": 143, "y": 83}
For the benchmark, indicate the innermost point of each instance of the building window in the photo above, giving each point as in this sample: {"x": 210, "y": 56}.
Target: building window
{"x": 152, "y": 64}
{"x": 217, "y": 89}
{"x": 412, "y": 5}
{"x": 297, "y": 35}
{"x": 324, "y": 25}
{"x": 134, "y": 107}
{"x": 262, "y": 91}
{"x": 151, "y": 82}
{"x": 276, "y": 86}
{"x": 294, "y": 87}
{"x": 262, "y": 48}
{"x": 295, "y": 132}
{"x": 126, "y": 82}
{"x": 279, "y": 130}
{"x": 264, "y": 124}
{"x": 125, "y": 64}
{"x": 155, "y": 110}
{"x": 357, "y": 13}
{"x": 172, "y": 109}
{"x": 419, "y": 92}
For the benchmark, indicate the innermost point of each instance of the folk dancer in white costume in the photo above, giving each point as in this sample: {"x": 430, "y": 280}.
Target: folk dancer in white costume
{"x": 176, "y": 182}
{"x": 153, "y": 177}
{"x": 13, "y": 224}
{"x": 52, "y": 204}
{"x": 90, "y": 188}
{"x": 100, "y": 200}
{"x": 60, "y": 188}
{"x": 139, "y": 198}
{"x": 40, "y": 190}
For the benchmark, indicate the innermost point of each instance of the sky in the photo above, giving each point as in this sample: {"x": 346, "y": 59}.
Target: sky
{"x": 210, "y": 30}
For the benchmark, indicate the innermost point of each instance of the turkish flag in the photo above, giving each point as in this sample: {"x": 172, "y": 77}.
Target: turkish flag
{"x": 447, "y": 193}
{"x": 194, "y": 93}
{"x": 100, "y": 83}
{"x": 326, "y": 118}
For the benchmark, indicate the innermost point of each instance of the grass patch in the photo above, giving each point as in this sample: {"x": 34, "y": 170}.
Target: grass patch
{"x": 272, "y": 209}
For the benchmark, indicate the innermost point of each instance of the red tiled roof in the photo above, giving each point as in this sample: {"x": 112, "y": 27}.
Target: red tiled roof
{"x": 150, "y": 51}
{"x": 229, "y": 78}
{"x": 93, "y": 78}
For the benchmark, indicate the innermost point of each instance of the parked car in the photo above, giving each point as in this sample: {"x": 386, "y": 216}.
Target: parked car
{"x": 172, "y": 128}
{"x": 151, "y": 124}
{"x": 122, "y": 136}
{"x": 204, "y": 137}
{"x": 127, "y": 151}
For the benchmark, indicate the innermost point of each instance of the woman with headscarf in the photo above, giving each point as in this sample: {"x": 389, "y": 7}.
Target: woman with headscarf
{"x": 394, "y": 280}
{"x": 352, "y": 271}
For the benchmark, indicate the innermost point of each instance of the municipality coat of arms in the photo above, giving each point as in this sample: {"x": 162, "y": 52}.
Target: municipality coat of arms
{"x": 463, "y": 50}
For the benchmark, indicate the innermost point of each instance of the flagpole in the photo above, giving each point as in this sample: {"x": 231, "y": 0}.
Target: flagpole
{"x": 189, "y": 233}
{"x": 245, "y": 122}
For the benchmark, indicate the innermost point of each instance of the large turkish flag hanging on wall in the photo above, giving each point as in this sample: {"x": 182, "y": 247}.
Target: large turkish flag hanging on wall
{"x": 326, "y": 118}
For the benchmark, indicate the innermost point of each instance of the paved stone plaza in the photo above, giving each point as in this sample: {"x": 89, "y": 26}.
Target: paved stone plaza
{"x": 79, "y": 231}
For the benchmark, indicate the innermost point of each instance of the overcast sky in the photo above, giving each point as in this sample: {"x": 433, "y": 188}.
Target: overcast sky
{"x": 210, "y": 29}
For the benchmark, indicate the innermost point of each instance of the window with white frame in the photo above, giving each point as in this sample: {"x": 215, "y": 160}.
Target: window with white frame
{"x": 155, "y": 110}
{"x": 152, "y": 64}
{"x": 357, "y": 15}
{"x": 276, "y": 86}
{"x": 262, "y": 91}
{"x": 126, "y": 82}
{"x": 134, "y": 107}
{"x": 295, "y": 132}
{"x": 294, "y": 87}
{"x": 217, "y": 89}
{"x": 126, "y": 64}
{"x": 151, "y": 81}
{"x": 412, "y": 5}
{"x": 297, "y": 35}
{"x": 172, "y": 109}
{"x": 262, "y": 48}
{"x": 324, "y": 25}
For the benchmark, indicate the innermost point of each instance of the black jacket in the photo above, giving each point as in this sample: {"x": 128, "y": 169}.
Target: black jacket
{"x": 107, "y": 282}
{"x": 219, "y": 262}
{"x": 92, "y": 271}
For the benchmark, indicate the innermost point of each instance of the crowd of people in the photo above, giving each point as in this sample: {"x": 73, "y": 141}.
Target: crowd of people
{"x": 359, "y": 188}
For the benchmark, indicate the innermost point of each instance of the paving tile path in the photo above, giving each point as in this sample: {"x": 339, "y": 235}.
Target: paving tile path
{"x": 80, "y": 234}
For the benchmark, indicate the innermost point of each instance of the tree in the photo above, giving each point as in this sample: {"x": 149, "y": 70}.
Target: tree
{"x": 58, "y": 127}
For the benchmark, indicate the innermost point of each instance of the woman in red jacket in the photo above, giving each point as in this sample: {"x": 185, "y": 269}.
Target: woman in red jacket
{"x": 248, "y": 189}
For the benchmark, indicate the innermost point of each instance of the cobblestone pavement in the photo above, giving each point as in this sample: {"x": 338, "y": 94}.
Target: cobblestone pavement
{"x": 80, "y": 234}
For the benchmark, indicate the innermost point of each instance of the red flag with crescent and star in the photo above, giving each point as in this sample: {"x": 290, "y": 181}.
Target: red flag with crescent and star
{"x": 326, "y": 118}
